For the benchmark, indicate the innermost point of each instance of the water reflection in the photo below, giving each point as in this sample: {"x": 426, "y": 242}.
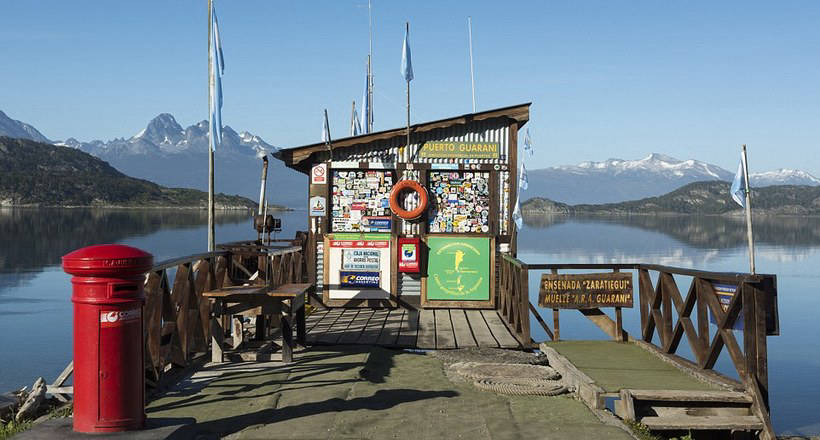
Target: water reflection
{"x": 714, "y": 232}
{"x": 31, "y": 239}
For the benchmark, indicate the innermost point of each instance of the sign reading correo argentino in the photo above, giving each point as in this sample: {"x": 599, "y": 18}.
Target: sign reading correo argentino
{"x": 585, "y": 291}
{"x": 460, "y": 150}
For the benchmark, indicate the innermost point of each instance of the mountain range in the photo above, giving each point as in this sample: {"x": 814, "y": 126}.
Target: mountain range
{"x": 707, "y": 198}
{"x": 616, "y": 180}
{"x": 166, "y": 153}
{"x": 42, "y": 174}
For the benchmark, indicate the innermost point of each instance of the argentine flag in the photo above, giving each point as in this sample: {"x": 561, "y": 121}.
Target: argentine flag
{"x": 406, "y": 61}
{"x": 738, "y": 189}
{"x": 217, "y": 68}
{"x": 326, "y": 130}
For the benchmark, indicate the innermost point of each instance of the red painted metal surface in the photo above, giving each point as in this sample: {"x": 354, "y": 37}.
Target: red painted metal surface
{"x": 107, "y": 292}
{"x": 409, "y": 250}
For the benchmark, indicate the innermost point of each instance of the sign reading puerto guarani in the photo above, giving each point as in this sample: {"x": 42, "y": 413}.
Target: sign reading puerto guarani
{"x": 460, "y": 150}
{"x": 585, "y": 291}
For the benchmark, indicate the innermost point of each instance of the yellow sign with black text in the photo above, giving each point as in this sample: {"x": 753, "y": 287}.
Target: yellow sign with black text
{"x": 585, "y": 291}
{"x": 459, "y": 150}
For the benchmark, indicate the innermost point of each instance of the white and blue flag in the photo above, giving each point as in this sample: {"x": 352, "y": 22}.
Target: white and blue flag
{"x": 325, "y": 130}
{"x": 519, "y": 221}
{"x": 523, "y": 184}
{"x": 365, "y": 119}
{"x": 523, "y": 180}
{"x": 406, "y": 61}
{"x": 528, "y": 143}
{"x": 217, "y": 68}
{"x": 738, "y": 189}
{"x": 356, "y": 126}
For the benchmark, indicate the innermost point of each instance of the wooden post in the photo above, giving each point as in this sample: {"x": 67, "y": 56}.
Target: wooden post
{"x": 556, "y": 321}
{"x": 619, "y": 320}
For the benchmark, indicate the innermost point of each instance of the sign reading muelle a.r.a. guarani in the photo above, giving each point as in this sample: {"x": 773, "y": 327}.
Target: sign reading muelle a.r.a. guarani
{"x": 460, "y": 150}
{"x": 585, "y": 291}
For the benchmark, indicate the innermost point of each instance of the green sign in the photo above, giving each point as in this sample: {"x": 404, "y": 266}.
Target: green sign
{"x": 360, "y": 236}
{"x": 460, "y": 150}
{"x": 458, "y": 268}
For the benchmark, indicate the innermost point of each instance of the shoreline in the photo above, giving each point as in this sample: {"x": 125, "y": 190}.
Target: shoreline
{"x": 150, "y": 207}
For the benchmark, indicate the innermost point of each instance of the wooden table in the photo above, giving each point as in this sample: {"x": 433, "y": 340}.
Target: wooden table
{"x": 288, "y": 298}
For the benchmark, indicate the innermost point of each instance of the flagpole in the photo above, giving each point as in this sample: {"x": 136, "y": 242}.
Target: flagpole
{"x": 472, "y": 72}
{"x": 353, "y": 119}
{"x": 749, "y": 235}
{"x": 407, "y": 31}
{"x": 327, "y": 141}
{"x": 369, "y": 69}
{"x": 211, "y": 229}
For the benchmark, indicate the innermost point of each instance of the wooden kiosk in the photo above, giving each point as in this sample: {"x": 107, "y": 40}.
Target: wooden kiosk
{"x": 457, "y": 183}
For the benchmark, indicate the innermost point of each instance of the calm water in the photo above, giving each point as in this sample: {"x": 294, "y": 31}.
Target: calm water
{"x": 35, "y": 312}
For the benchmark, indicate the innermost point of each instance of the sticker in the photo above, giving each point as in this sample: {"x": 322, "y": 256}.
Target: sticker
{"x": 318, "y": 206}
{"x": 358, "y": 280}
{"x": 117, "y": 318}
{"x": 318, "y": 174}
{"x": 377, "y": 223}
{"x": 408, "y": 252}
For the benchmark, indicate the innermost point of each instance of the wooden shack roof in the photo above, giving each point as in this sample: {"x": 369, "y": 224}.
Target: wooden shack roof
{"x": 298, "y": 157}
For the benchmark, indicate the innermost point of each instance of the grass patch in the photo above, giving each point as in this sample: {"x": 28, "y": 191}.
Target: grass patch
{"x": 7, "y": 430}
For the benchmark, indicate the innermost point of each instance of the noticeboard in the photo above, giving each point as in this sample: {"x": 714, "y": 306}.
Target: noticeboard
{"x": 459, "y": 269}
{"x": 585, "y": 291}
{"x": 358, "y": 267}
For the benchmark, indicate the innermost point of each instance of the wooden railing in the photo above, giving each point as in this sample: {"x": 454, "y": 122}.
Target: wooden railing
{"x": 513, "y": 301}
{"x": 666, "y": 314}
{"x": 176, "y": 317}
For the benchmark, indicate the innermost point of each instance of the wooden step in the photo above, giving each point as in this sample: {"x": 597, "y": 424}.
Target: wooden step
{"x": 745, "y": 423}
{"x": 669, "y": 404}
{"x": 689, "y": 396}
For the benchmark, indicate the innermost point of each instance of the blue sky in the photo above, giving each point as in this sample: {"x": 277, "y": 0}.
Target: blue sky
{"x": 692, "y": 79}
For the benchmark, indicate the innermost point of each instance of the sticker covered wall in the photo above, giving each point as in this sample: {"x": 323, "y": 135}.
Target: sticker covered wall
{"x": 460, "y": 202}
{"x": 360, "y": 201}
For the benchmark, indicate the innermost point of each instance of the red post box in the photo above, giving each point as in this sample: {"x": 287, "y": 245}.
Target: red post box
{"x": 109, "y": 376}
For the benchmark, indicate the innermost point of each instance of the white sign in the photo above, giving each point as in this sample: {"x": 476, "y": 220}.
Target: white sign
{"x": 318, "y": 206}
{"x": 318, "y": 174}
{"x": 361, "y": 259}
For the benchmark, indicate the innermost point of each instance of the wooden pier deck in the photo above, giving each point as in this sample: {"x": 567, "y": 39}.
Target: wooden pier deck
{"x": 409, "y": 328}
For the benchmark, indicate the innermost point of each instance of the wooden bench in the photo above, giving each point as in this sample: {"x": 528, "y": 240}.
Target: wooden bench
{"x": 287, "y": 298}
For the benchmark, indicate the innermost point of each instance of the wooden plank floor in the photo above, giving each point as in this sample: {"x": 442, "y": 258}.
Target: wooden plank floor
{"x": 409, "y": 328}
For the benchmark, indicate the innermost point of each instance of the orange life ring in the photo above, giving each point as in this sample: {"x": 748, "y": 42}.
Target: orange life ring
{"x": 394, "y": 199}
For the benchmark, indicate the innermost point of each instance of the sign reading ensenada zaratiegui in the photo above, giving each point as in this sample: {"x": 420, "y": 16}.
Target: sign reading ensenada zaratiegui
{"x": 585, "y": 291}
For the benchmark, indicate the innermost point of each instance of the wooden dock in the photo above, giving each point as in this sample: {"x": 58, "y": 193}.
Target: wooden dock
{"x": 409, "y": 328}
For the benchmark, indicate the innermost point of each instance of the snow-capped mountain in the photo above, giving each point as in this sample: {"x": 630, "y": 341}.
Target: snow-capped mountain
{"x": 164, "y": 136}
{"x": 655, "y": 163}
{"x": 783, "y": 176}
{"x": 16, "y": 129}
{"x": 616, "y": 180}
{"x": 166, "y": 153}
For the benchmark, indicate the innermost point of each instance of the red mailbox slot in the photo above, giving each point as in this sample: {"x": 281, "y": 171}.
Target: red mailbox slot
{"x": 409, "y": 251}
{"x": 107, "y": 292}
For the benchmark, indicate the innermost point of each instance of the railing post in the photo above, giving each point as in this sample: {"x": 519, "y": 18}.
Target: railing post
{"x": 524, "y": 303}
{"x": 556, "y": 317}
